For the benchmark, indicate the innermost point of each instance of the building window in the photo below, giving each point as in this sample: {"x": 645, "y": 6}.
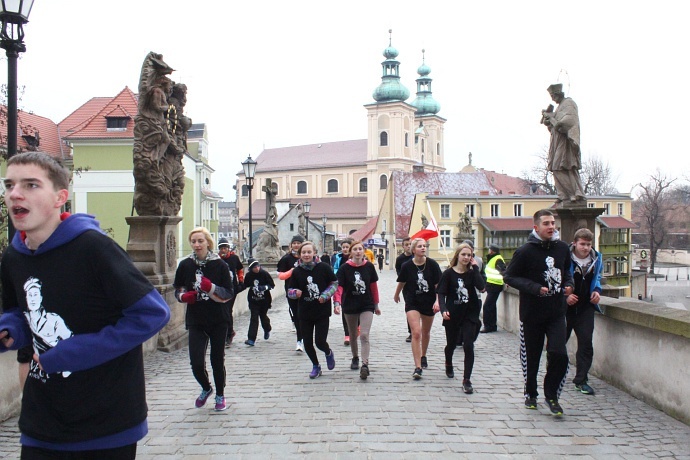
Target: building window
{"x": 469, "y": 210}
{"x": 116, "y": 123}
{"x": 445, "y": 239}
{"x": 292, "y": 227}
{"x": 517, "y": 209}
{"x": 591, "y": 205}
{"x": 407, "y": 137}
{"x": 422, "y": 148}
{"x": 494, "y": 210}
{"x": 245, "y": 190}
{"x": 438, "y": 148}
{"x": 302, "y": 187}
{"x": 210, "y": 207}
{"x": 445, "y": 211}
{"x": 607, "y": 209}
{"x": 384, "y": 139}
{"x": 332, "y": 186}
{"x": 621, "y": 208}
{"x": 383, "y": 182}
{"x": 363, "y": 184}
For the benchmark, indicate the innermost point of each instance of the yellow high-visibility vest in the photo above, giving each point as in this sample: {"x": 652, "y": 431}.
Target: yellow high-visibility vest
{"x": 493, "y": 276}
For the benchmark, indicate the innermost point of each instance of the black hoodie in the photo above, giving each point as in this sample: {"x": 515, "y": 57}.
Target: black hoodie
{"x": 536, "y": 264}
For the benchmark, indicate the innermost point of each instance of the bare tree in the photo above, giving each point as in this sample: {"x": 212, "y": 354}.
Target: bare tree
{"x": 654, "y": 204}
{"x": 597, "y": 177}
{"x": 539, "y": 176}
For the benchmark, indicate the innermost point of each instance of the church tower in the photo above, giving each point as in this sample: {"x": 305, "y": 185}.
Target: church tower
{"x": 400, "y": 135}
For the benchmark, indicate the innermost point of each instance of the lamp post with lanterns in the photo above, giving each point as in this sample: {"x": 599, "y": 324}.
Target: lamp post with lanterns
{"x": 324, "y": 219}
{"x": 249, "y": 167}
{"x": 307, "y": 208}
{"x": 385, "y": 245}
{"x": 14, "y": 14}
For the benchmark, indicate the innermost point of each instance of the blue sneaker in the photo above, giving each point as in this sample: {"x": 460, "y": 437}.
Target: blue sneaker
{"x": 330, "y": 360}
{"x": 203, "y": 397}
{"x": 249, "y": 342}
{"x": 220, "y": 403}
{"x": 315, "y": 371}
{"x": 267, "y": 334}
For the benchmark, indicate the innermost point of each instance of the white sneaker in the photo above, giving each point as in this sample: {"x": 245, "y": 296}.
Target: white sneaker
{"x": 300, "y": 346}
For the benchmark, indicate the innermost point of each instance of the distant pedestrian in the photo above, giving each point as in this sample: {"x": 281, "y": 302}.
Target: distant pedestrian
{"x": 540, "y": 270}
{"x": 494, "y": 269}
{"x": 313, "y": 285}
{"x": 399, "y": 261}
{"x": 459, "y": 303}
{"x": 203, "y": 282}
{"x": 226, "y": 251}
{"x": 259, "y": 284}
{"x": 285, "y": 266}
{"x": 379, "y": 259}
{"x": 417, "y": 280}
{"x": 359, "y": 295}
{"x": 369, "y": 254}
{"x": 586, "y": 269}
{"x": 325, "y": 258}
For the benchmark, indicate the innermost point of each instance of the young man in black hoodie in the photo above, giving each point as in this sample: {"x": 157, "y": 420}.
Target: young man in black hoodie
{"x": 74, "y": 294}
{"x": 540, "y": 270}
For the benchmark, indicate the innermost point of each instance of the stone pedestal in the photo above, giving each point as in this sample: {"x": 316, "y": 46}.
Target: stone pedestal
{"x": 573, "y": 219}
{"x": 152, "y": 247}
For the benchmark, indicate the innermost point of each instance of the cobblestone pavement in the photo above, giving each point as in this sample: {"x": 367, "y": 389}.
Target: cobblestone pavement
{"x": 276, "y": 411}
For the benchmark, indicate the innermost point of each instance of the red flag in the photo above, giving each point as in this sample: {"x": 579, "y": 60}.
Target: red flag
{"x": 431, "y": 230}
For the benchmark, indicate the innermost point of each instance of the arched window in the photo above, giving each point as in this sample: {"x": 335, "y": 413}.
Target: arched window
{"x": 363, "y": 184}
{"x": 422, "y": 145}
{"x": 245, "y": 190}
{"x": 302, "y": 187}
{"x": 438, "y": 148}
{"x": 384, "y": 138}
{"x": 407, "y": 137}
{"x": 383, "y": 182}
{"x": 332, "y": 186}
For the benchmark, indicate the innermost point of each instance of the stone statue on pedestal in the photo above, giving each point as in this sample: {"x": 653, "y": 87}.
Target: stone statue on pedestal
{"x": 464, "y": 228}
{"x": 564, "y": 157}
{"x": 268, "y": 247}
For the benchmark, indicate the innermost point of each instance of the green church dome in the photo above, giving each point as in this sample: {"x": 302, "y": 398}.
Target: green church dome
{"x": 425, "y": 102}
{"x": 390, "y": 88}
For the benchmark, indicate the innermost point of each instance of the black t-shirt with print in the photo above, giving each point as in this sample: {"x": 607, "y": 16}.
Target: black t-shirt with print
{"x": 312, "y": 283}
{"x": 356, "y": 283}
{"x": 205, "y": 312}
{"x": 257, "y": 296}
{"x": 420, "y": 282}
{"x": 460, "y": 293}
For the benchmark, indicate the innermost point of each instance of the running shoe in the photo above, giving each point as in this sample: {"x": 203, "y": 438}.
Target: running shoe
{"x": 449, "y": 372}
{"x": 330, "y": 360}
{"x": 467, "y": 387}
{"x": 299, "y": 346}
{"x": 364, "y": 372}
{"x": 267, "y": 334}
{"x": 249, "y": 342}
{"x": 584, "y": 388}
{"x": 220, "y": 403}
{"x": 554, "y": 407}
{"x": 424, "y": 363}
{"x": 409, "y": 338}
{"x": 355, "y": 364}
{"x": 530, "y": 403}
{"x": 203, "y": 397}
{"x": 347, "y": 340}
{"x": 417, "y": 374}
{"x": 315, "y": 371}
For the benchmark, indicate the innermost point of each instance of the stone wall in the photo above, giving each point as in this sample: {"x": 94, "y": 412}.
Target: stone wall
{"x": 639, "y": 347}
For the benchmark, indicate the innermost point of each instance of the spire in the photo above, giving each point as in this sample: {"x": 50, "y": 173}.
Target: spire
{"x": 390, "y": 88}
{"x": 425, "y": 102}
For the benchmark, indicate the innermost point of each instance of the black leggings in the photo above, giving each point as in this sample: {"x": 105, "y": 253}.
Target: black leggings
{"x": 293, "y": 309}
{"x": 464, "y": 331}
{"x": 199, "y": 338}
{"x": 128, "y": 452}
{"x": 315, "y": 332}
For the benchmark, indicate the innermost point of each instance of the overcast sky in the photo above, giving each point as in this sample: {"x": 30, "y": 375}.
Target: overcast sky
{"x": 277, "y": 73}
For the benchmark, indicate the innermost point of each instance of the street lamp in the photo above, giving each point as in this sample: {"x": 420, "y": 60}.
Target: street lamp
{"x": 14, "y": 14}
{"x": 385, "y": 245}
{"x": 249, "y": 167}
{"x": 324, "y": 219}
{"x": 307, "y": 208}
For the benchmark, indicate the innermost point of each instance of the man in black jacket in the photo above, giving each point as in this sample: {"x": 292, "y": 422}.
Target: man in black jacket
{"x": 540, "y": 270}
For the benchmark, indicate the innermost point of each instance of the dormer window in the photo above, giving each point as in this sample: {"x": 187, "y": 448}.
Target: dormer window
{"x": 116, "y": 123}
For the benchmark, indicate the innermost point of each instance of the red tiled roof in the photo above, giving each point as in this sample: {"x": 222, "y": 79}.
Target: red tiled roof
{"x": 365, "y": 232}
{"x": 336, "y": 208}
{"x": 326, "y": 155}
{"x": 48, "y": 134}
{"x": 89, "y": 121}
{"x": 507, "y": 185}
{"x": 616, "y": 222}
{"x": 507, "y": 224}
{"x": 408, "y": 184}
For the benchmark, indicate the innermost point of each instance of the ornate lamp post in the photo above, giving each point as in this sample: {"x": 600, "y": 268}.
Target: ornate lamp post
{"x": 324, "y": 219}
{"x": 249, "y": 167}
{"x": 307, "y": 208}
{"x": 14, "y": 14}
{"x": 385, "y": 244}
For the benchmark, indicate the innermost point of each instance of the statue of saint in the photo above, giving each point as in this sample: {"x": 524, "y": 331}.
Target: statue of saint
{"x": 302, "y": 224}
{"x": 564, "y": 158}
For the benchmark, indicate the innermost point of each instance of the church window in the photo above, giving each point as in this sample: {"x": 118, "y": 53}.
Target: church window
{"x": 407, "y": 137}
{"x": 245, "y": 190}
{"x": 383, "y": 182}
{"x": 363, "y": 184}
{"x": 302, "y": 187}
{"x": 438, "y": 148}
{"x": 384, "y": 139}
{"x": 422, "y": 145}
{"x": 332, "y": 186}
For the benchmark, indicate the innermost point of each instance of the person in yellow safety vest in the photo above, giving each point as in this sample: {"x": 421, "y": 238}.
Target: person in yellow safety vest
{"x": 495, "y": 266}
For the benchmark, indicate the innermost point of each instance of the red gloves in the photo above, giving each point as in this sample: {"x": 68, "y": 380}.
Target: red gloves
{"x": 205, "y": 284}
{"x": 188, "y": 297}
